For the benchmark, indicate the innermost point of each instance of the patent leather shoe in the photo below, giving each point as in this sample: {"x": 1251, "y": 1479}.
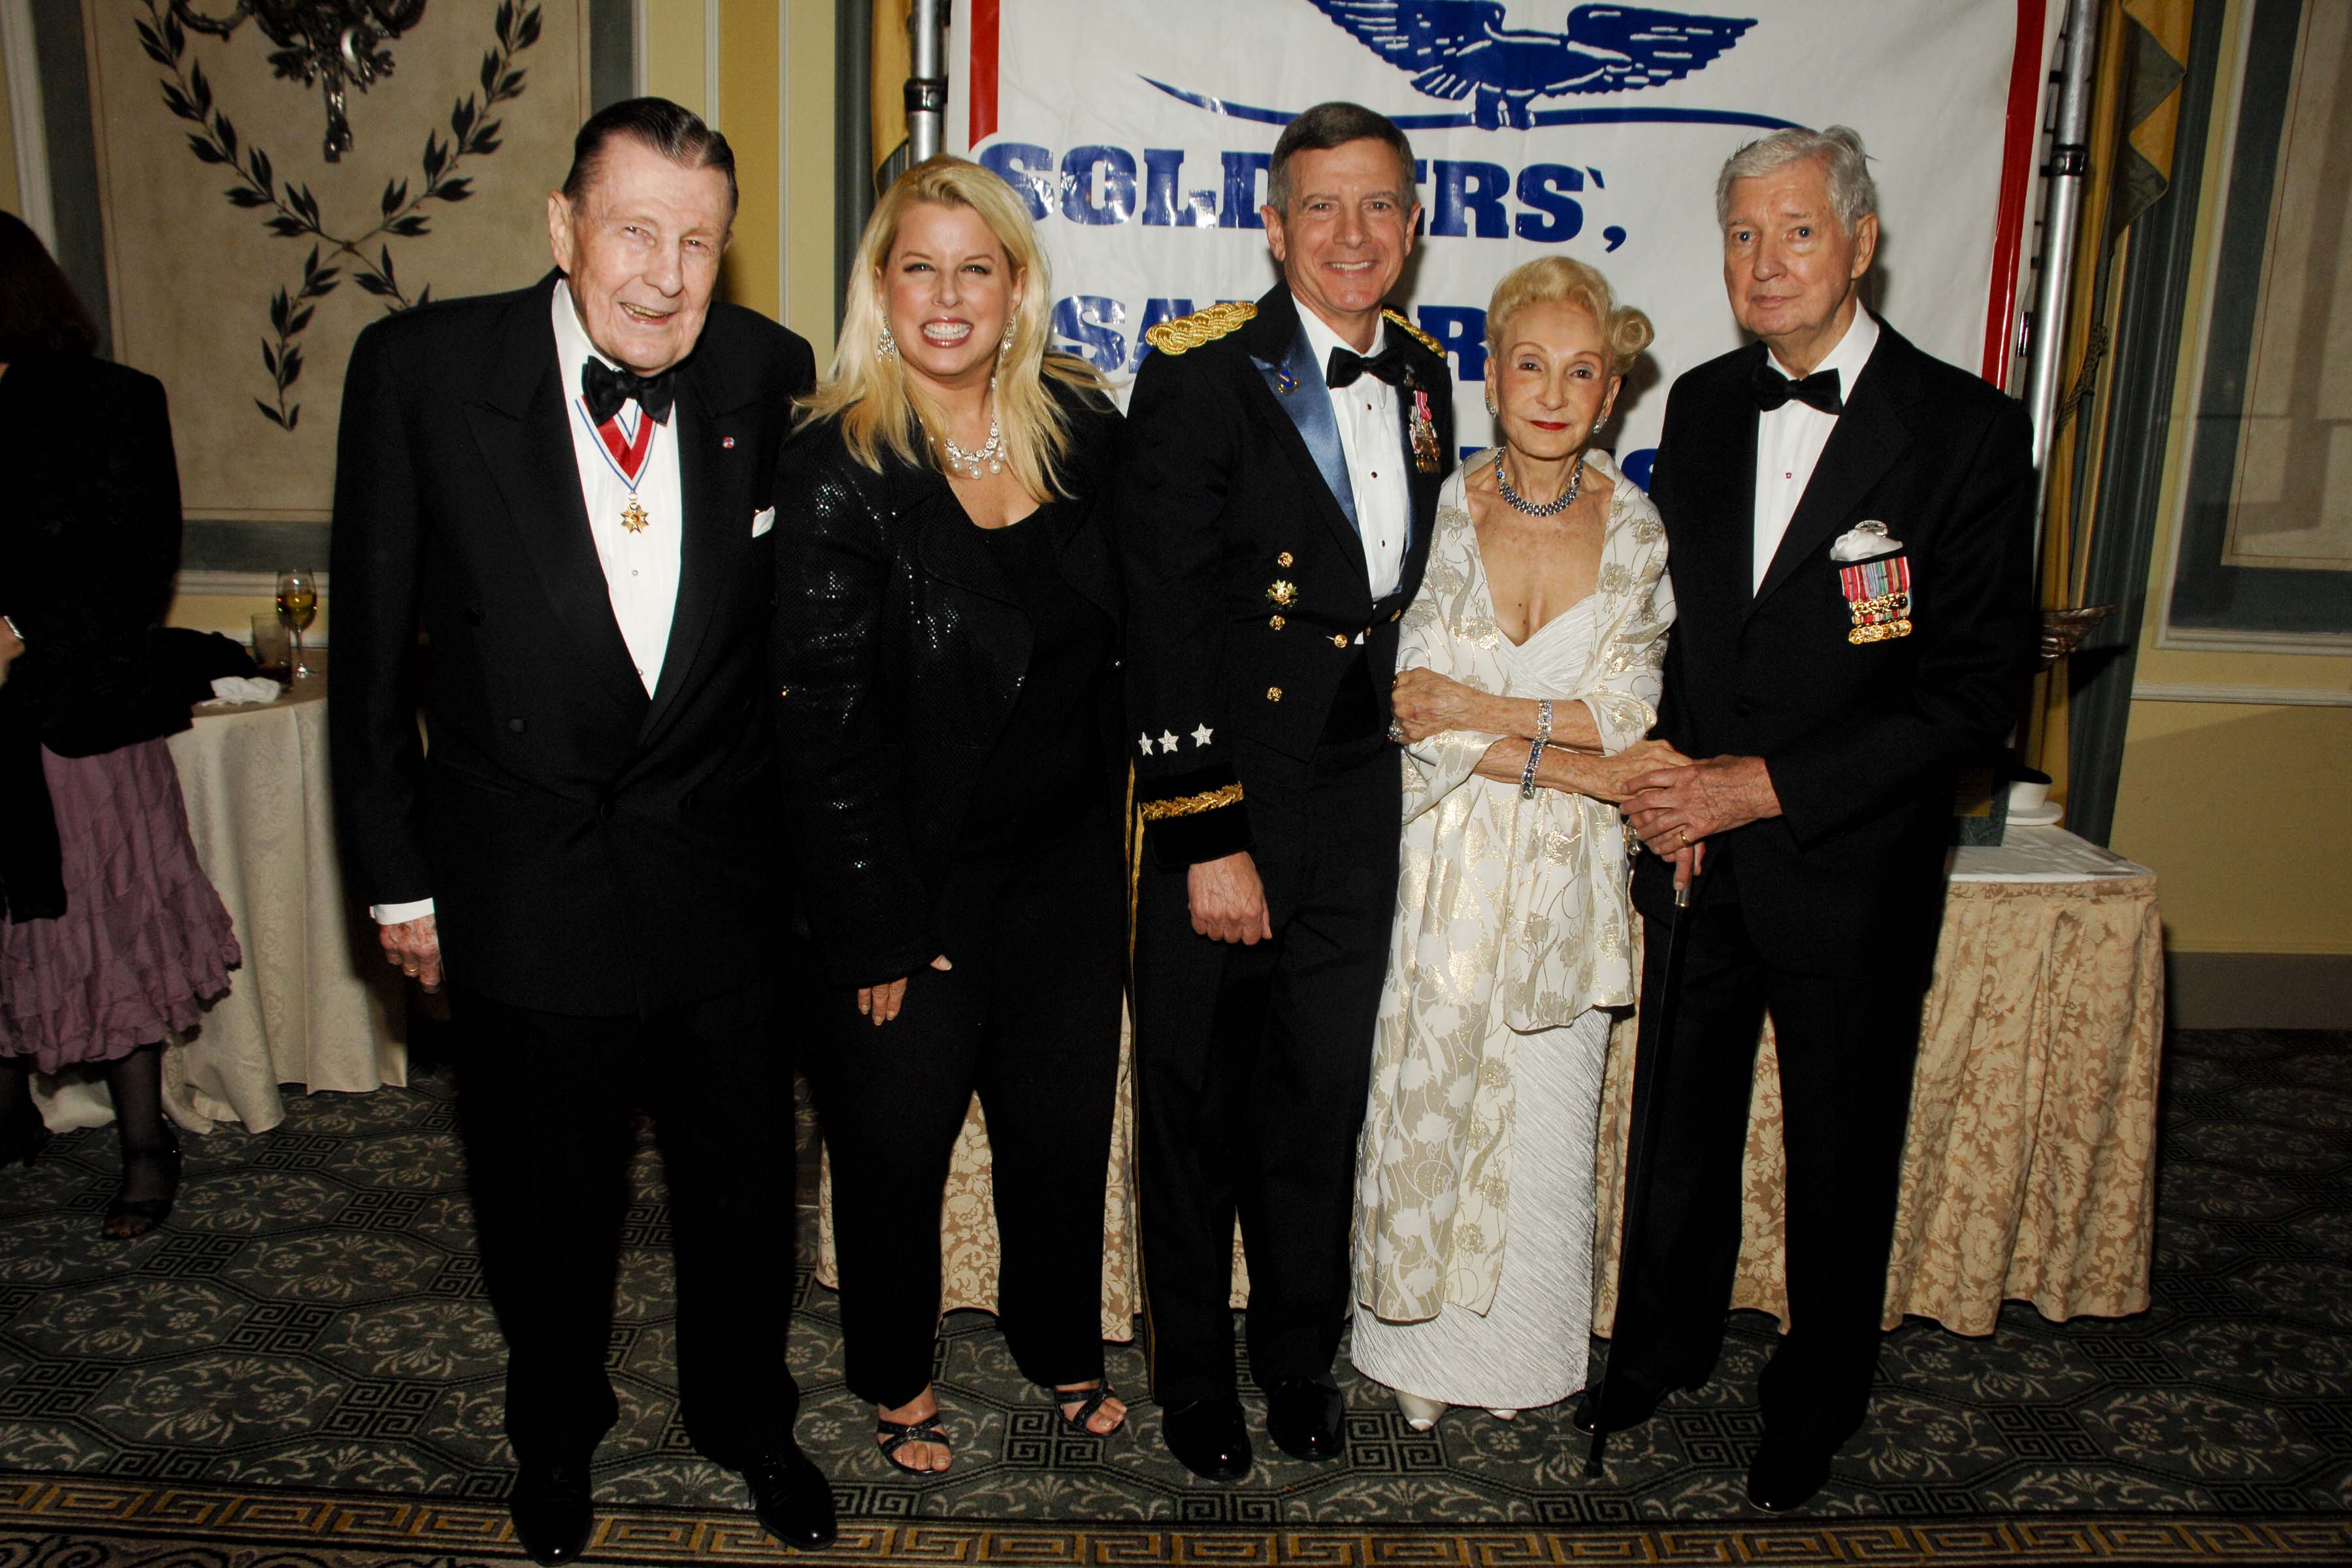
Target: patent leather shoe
{"x": 1303, "y": 1415}
{"x": 792, "y": 1496}
{"x": 1784, "y": 1476}
{"x": 1209, "y": 1437}
{"x": 551, "y": 1511}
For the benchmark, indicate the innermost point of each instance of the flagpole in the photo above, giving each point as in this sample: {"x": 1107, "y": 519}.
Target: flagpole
{"x": 927, "y": 90}
{"x": 2066, "y": 175}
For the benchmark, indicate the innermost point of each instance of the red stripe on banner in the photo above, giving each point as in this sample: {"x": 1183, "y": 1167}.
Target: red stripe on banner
{"x": 2025, "y": 73}
{"x": 984, "y": 70}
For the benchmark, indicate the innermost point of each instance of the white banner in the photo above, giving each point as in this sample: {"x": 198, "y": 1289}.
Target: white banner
{"x": 1140, "y": 131}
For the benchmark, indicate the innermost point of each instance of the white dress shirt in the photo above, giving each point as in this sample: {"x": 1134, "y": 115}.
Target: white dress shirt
{"x": 640, "y": 569}
{"x": 1789, "y": 440}
{"x": 1373, "y": 440}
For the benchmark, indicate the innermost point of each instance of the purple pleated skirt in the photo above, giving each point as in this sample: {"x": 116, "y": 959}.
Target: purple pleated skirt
{"x": 145, "y": 941}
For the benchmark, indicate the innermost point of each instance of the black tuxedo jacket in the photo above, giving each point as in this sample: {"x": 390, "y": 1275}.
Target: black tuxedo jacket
{"x": 1864, "y": 741}
{"x": 590, "y": 849}
{"x": 899, "y": 651}
{"x": 1246, "y": 584}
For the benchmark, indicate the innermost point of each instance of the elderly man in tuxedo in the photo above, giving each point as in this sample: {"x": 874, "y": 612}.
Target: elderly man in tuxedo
{"x": 567, "y": 486}
{"x": 1849, "y": 525}
{"x": 1281, "y": 468}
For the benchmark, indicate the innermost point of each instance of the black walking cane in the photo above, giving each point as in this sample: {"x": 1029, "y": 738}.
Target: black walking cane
{"x": 1638, "y": 1143}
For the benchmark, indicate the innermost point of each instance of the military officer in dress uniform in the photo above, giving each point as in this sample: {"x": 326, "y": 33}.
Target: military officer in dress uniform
{"x": 1281, "y": 468}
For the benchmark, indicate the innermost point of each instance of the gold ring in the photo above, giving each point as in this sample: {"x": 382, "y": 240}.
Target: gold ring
{"x": 1683, "y": 833}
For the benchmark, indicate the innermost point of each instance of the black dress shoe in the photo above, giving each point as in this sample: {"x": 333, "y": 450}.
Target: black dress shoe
{"x": 1210, "y": 1437}
{"x": 550, "y": 1511}
{"x": 792, "y": 1496}
{"x": 1630, "y": 1404}
{"x": 1785, "y": 1476}
{"x": 1303, "y": 1417}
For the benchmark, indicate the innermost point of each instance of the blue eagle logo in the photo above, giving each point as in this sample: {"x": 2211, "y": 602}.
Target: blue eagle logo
{"x": 1460, "y": 48}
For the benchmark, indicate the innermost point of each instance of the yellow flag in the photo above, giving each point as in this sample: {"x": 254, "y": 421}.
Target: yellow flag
{"x": 893, "y": 63}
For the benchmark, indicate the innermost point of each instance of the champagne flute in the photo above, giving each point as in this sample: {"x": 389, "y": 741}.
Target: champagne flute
{"x": 297, "y": 604}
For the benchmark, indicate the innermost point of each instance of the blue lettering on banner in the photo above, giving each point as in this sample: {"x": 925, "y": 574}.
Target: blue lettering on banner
{"x": 1241, "y": 201}
{"x": 1555, "y": 218}
{"x": 1460, "y": 332}
{"x": 1027, "y": 168}
{"x": 1101, "y": 186}
{"x": 1089, "y": 323}
{"x": 1635, "y": 466}
{"x": 1163, "y": 207}
{"x": 1079, "y": 166}
{"x": 1470, "y": 193}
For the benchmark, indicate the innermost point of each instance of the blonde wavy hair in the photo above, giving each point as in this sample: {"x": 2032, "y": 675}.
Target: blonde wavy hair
{"x": 1560, "y": 280}
{"x": 884, "y": 410}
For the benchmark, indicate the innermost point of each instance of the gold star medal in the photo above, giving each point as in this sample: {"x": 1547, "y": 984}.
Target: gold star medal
{"x": 633, "y": 517}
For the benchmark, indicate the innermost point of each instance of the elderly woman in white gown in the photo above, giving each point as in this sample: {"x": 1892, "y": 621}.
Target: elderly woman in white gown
{"x": 1530, "y": 659}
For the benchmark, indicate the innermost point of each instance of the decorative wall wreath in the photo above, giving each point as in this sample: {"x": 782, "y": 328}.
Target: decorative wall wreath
{"x": 294, "y": 212}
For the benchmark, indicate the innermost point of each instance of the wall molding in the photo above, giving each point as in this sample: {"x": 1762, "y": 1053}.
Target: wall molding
{"x": 2259, "y": 990}
{"x": 2264, "y": 696}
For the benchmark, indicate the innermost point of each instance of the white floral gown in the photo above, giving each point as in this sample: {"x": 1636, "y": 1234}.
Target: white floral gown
{"x": 1474, "y": 1230}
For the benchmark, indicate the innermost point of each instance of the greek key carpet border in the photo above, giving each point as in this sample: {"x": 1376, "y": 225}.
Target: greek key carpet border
{"x": 97, "y": 1509}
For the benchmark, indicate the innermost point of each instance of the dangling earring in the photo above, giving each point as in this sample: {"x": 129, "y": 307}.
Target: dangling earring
{"x": 1492, "y": 412}
{"x": 887, "y": 347}
{"x": 1005, "y": 347}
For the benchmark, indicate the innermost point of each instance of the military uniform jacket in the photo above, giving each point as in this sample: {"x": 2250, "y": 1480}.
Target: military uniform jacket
{"x": 1248, "y": 591}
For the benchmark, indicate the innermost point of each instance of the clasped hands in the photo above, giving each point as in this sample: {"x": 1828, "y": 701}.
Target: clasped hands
{"x": 1675, "y": 803}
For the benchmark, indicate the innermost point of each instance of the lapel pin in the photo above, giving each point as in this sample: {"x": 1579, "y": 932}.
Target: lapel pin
{"x": 728, "y": 442}
{"x": 1285, "y": 382}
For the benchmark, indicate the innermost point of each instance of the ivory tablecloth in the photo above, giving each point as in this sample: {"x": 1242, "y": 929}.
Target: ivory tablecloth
{"x": 313, "y": 1006}
{"x": 2029, "y": 1171}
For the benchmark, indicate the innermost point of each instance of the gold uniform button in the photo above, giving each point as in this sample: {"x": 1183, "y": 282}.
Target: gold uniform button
{"x": 1283, "y": 558}
{"x": 1338, "y": 640}
{"x": 1274, "y": 694}
{"x": 1276, "y": 623}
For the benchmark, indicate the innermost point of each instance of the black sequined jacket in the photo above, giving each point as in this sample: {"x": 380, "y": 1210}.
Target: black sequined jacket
{"x": 897, "y": 652}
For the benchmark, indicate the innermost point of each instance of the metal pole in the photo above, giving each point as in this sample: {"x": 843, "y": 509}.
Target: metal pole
{"x": 2066, "y": 173}
{"x": 927, "y": 90}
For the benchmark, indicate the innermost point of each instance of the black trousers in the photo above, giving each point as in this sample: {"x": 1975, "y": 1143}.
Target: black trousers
{"x": 1846, "y": 1045}
{"x": 544, "y": 1104}
{"x": 1029, "y": 1019}
{"x": 1252, "y": 1068}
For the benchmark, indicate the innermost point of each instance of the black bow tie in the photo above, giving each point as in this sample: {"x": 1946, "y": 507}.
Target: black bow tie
{"x": 1819, "y": 389}
{"x": 608, "y": 389}
{"x": 1347, "y": 364}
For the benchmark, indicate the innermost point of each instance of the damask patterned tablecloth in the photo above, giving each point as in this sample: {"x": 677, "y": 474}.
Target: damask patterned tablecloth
{"x": 2028, "y": 1172}
{"x": 313, "y": 1006}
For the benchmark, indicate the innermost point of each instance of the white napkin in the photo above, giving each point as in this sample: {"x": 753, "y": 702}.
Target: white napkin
{"x": 231, "y": 689}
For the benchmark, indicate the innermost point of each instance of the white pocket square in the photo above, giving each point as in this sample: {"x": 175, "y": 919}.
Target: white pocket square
{"x": 762, "y": 519}
{"x": 1864, "y": 542}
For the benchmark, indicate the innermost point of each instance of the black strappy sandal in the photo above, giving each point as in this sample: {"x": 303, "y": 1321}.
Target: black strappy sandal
{"x": 141, "y": 1215}
{"x": 1089, "y": 1401}
{"x": 897, "y": 1435}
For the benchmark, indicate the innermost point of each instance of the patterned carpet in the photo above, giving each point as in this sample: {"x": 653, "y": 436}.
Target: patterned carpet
{"x": 302, "y": 1369}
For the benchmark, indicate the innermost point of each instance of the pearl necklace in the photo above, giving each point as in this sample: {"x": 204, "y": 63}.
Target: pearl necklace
{"x": 991, "y": 452}
{"x": 1548, "y": 508}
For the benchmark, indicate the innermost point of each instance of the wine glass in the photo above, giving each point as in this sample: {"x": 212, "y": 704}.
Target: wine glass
{"x": 297, "y": 604}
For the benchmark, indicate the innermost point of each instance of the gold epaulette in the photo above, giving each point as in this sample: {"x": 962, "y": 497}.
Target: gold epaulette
{"x": 1173, "y": 337}
{"x": 1426, "y": 340}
